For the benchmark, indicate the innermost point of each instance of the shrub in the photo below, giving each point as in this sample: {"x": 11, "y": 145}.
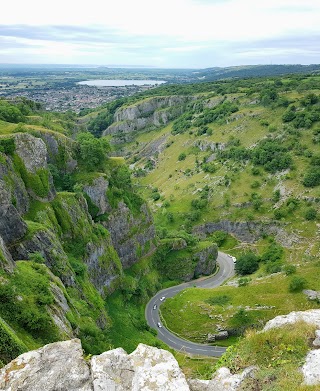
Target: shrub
{"x": 247, "y": 264}
{"x": 155, "y": 196}
{"x": 36, "y": 257}
{"x": 297, "y": 284}
{"x": 182, "y": 156}
{"x": 311, "y": 214}
{"x": 289, "y": 269}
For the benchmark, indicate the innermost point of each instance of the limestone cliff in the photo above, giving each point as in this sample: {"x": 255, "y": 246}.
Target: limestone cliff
{"x": 81, "y": 259}
{"x": 148, "y": 114}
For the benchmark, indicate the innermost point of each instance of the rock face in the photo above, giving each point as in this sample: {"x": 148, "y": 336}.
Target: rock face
{"x": 206, "y": 261}
{"x": 104, "y": 266}
{"x": 6, "y": 261}
{"x": 148, "y": 114}
{"x": 56, "y": 367}
{"x": 248, "y": 232}
{"x": 145, "y": 369}
{"x": 12, "y": 227}
{"x": 310, "y": 369}
{"x": 60, "y": 366}
{"x": 46, "y": 243}
{"x": 310, "y": 316}
{"x": 32, "y": 151}
{"x": 223, "y": 380}
{"x": 97, "y": 193}
{"x": 132, "y": 236}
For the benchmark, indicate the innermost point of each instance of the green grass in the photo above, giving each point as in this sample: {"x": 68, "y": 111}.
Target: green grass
{"x": 197, "y": 316}
{"x": 277, "y": 353}
{"x": 129, "y": 327}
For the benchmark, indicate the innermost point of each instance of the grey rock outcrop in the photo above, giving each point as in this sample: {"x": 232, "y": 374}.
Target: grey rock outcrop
{"x": 206, "y": 261}
{"x": 6, "y": 261}
{"x": 248, "y": 231}
{"x": 60, "y": 366}
{"x": 309, "y": 316}
{"x": 55, "y": 367}
{"x": 145, "y": 369}
{"x": 132, "y": 236}
{"x": 310, "y": 369}
{"x": 222, "y": 380}
{"x": 316, "y": 342}
{"x": 97, "y": 193}
{"x": 219, "y": 336}
{"x": 32, "y": 151}
{"x": 12, "y": 227}
{"x": 104, "y": 266}
{"x": 312, "y": 295}
{"x": 205, "y": 145}
{"x": 59, "y": 150}
{"x": 46, "y": 243}
{"x": 150, "y": 113}
{"x": 14, "y": 184}
{"x": 58, "y": 311}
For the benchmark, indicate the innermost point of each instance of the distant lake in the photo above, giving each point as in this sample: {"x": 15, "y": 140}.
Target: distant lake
{"x": 120, "y": 83}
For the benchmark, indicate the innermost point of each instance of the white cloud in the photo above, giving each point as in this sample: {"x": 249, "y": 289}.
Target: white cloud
{"x": 172, "y": 26}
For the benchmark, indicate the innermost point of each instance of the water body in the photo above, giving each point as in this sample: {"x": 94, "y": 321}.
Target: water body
{"x": 120, "y": 83}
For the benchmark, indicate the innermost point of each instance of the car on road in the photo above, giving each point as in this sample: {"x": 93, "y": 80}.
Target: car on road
{"x": 233, "y": 258}
{"x": 159, "y": 324}
{"x": 162, "y": 298}
{"x": 155, "y": 307}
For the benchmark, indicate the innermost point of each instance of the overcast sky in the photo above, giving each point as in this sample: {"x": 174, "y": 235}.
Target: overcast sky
{"x": 165, "y": 33}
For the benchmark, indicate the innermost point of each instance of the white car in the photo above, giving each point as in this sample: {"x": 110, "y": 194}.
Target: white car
{"x": 159, "y": 324}
{"x": 155, "y": 307}
{"x": 162, "y": 298}
{"x": 233, "y": 258}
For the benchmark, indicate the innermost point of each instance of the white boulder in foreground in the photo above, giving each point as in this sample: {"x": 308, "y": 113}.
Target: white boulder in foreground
{"x": 60, "y": 366}
{"x": 147, "y": 368}
{"x": 223, "y": 380}
{"x": 309, "y": 316}
{"x": 55, "y": 367}
{"x": 311, "y": 368}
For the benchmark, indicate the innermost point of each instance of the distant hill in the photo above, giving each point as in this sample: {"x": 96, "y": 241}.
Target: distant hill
{"x": 242, "y": 71}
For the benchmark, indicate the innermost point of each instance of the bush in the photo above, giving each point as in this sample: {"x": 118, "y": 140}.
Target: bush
{"x": 289, "y": 269}
{"x": 155, "y": 196}
{"x": 311, "y": 214}
{"x": 182, "y": 156}
{"x": 297, "y": 284}
{"x": 219, "y": 237}
{"x": 247, "y": 264}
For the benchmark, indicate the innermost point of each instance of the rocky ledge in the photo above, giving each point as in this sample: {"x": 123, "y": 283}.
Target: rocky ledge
{"x": 61, "y": 366}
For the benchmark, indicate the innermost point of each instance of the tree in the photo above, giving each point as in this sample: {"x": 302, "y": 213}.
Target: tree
{"x": 247, "y": 264}
{"x": 92, "y": 151}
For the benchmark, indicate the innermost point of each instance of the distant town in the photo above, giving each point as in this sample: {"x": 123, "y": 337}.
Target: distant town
{"x": 74, "y": 98}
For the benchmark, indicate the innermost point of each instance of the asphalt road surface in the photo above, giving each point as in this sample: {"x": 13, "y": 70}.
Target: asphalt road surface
{"x": 226, "y": 270}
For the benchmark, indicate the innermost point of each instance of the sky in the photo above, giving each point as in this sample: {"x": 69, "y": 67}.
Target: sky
{"x": 164, "y": 34}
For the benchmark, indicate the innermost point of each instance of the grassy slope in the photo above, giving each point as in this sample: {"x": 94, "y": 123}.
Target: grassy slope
{"x": 179, "y": 182}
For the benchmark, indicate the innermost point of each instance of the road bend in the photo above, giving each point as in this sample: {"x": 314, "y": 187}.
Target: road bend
{"x": 226, "y": 270}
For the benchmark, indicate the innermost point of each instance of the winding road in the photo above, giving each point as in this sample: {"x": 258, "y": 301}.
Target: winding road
{"x": 226, "y": 270}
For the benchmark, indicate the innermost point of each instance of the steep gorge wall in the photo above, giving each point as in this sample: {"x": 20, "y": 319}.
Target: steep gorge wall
{"x": 148, "y": 114}
{"x": 81, "y": 257}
